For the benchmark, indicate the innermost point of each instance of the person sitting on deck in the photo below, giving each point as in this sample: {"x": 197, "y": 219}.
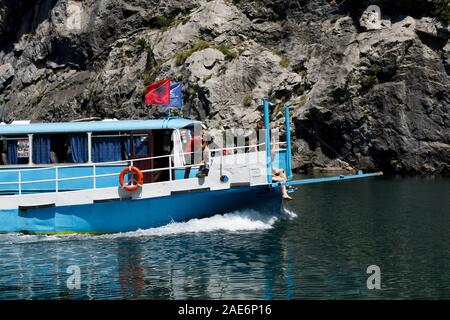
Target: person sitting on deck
{"x": 279, "y": 175}
{"x": 4, "y": 147}
{"x": 53, "y": 157}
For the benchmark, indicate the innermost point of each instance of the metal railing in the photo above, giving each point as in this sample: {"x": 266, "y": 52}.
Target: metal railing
{"x": 58, "y": 179}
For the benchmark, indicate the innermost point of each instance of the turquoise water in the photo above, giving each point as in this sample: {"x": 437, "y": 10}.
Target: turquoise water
{"x": 319, "y": 248}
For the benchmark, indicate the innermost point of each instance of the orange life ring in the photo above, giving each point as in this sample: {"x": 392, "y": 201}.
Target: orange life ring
{"x": 135, "y": 183}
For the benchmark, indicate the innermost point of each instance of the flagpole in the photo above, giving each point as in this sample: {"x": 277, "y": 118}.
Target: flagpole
{"x": 188, "y": 90}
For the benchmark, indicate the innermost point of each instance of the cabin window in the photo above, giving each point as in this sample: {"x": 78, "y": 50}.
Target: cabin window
{"x": 60, "y": 148}
{"x": 15, "y": 150}
{"x": 141, "y": 146}
{"x": 110, "y": 147}
{"x": 78, "y": 148}
{"x": 107, "y": 148}
{"x": 69, "y": 148}
{"x": 140, "y": 143}
{"x": 162, "y": 146}
{"x": 42, "y": 153}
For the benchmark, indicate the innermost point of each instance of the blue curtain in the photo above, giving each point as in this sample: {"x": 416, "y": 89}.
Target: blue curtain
{"x": 79, "y": 146}
{"x": 140, "y": 147}
{"x": 106, "y": 149}
{"x": 41, "y": 149}
{"x": 12, "y": 151}
{"x": 127, "y": 145}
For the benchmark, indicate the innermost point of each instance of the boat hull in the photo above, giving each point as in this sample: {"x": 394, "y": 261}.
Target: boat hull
{"x": 129, "y": 215}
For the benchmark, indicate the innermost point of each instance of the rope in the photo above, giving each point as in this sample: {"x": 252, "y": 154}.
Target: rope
{"x": 328, "y": 146}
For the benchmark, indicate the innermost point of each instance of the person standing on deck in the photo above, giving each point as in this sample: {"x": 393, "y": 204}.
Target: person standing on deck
{"x": 193, "y": 152}
{"x": 204, "y": 167}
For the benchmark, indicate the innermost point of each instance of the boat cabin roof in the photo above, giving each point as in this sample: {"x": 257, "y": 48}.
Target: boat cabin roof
{"x": 96, "y": 126}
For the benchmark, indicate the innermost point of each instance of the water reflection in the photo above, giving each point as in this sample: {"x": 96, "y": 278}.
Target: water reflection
{"x": 131, "y": 270}
{"x": 399, "y": 224}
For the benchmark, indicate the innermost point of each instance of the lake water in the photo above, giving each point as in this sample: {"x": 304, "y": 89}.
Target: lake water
{"x": 319, "y": 248}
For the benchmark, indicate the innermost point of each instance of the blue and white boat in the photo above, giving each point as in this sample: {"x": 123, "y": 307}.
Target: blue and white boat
{"x": 64, "y": 177}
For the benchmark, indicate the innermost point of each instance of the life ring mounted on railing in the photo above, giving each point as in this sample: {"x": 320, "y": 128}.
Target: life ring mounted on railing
{"x": 135, "y": 183}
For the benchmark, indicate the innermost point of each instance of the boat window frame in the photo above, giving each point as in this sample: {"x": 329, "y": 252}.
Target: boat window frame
{"x": 18, "y": 137}
{"x": 104, "y": 134}
{"x": 141, "y": 133}
{"x": 53, "y": 134}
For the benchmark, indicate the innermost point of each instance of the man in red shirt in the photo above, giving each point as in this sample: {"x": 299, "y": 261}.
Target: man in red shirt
{"x": 193, "y": 153}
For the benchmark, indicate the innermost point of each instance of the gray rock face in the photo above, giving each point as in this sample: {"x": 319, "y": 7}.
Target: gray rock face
{"x": 368, "y": 90}
{"x": 6, "y": 74}
{"x": 371, "y": 19}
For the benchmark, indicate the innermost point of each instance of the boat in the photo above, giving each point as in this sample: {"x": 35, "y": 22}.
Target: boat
{"x": 108, "y": 176}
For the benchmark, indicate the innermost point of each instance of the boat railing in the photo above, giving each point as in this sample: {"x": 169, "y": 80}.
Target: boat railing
{"x": 95, "y": 176}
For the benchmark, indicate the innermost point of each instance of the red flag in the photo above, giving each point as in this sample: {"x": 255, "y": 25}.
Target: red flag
{"x": 158, "y": 92}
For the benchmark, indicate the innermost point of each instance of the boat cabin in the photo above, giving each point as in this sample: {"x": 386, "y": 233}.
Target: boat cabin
{"x": 52, "y": 157}
{"x": 89, "y": 148}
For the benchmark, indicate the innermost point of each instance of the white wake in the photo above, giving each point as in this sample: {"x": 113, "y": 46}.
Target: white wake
{"x": 237, "y": 221}
{"x": 246, "y": 220}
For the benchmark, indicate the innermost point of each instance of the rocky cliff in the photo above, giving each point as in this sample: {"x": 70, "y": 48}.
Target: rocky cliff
{"x": 368, "y": 86}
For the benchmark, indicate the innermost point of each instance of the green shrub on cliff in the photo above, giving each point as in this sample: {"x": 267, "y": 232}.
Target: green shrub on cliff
{"x": 142, "y": 43}
{"x": 284, "y": 62}
{"x": 206, "y": 78}
{"x": 161, "y": 22}
{"x": 247, "y": 100}
{"x": 183, "y": 55}
{"x": 229, "y": 55}
{"x": 371, "y": 78}
{"x": 442, "y": 10}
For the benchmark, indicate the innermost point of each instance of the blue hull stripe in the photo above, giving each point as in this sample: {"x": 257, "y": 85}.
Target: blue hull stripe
{"x": 130, "y": 215}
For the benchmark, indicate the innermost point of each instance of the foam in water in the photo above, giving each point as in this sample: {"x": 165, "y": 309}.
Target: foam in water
{"x": 248, "y": 220}
{"x": 241, "y": 220}
{"x": 288, "y": 213}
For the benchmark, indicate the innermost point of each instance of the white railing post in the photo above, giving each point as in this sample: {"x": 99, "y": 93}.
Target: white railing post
{"x": 89, "y": 135}
{"x": 170, "y": 167}
{"x": 221, "y": 161}
{"x": 30, "y": 149}
{"x": 56, "y": 179}
{"x": 94, "y": 174}
{"x": 20, "y": 181}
